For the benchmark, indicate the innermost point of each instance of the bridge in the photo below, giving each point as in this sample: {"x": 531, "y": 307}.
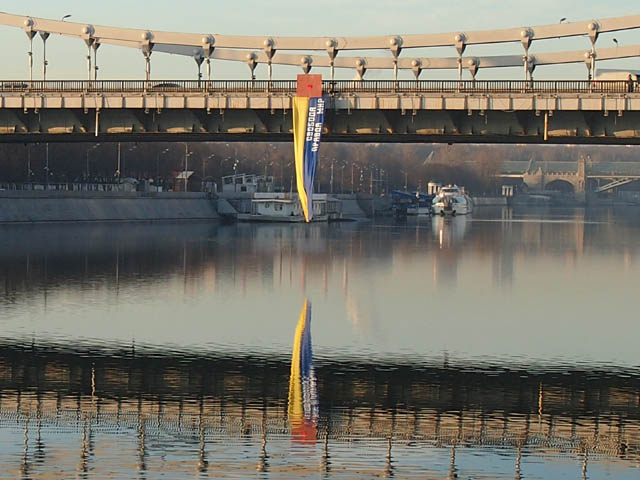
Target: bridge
{"x": 475, "y": 110}
{"x": 359, "y": 111}
{"x": 578, "y": 177}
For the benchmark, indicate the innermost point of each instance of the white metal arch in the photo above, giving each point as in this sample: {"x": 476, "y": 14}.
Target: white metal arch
{"x": 269, "y": 50}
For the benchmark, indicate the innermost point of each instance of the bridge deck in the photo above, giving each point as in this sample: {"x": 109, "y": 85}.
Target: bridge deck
{"x": 365, "y": 111}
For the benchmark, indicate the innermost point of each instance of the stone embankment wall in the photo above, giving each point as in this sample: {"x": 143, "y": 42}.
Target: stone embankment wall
{"x": 64, "y": 206}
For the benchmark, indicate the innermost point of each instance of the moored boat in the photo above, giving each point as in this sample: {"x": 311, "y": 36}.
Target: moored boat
{"x": 411, "y": 203}
{"x": 282, "y": 207}
{"x": 452, "y": 200}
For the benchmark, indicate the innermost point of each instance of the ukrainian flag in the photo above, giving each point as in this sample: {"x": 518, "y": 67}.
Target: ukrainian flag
{"x": 308, "y": 121}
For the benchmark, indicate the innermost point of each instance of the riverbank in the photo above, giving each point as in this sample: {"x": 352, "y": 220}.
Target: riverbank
{"x": 60, "y": 206}
{"x": 68, "y": 206}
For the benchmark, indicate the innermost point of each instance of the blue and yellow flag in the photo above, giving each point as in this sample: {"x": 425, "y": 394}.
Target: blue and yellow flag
{"x": 308, "y": 120}
{"x": 303, "y": 396}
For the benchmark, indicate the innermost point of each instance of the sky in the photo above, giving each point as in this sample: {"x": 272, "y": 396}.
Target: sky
{"x": 67, "y": 57}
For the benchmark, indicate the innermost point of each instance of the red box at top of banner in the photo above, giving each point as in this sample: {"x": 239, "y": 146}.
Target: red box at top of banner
{"x": 309, "y": 85}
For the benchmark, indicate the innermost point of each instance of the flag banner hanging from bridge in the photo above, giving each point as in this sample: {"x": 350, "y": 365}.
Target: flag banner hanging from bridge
{"x": 308, "y": 120}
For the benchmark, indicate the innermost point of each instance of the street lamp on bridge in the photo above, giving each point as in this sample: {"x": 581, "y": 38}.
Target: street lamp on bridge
{"x": 28, "y": 24}
{"x": 198, "y": 56}
{"x": 44, "y": 36}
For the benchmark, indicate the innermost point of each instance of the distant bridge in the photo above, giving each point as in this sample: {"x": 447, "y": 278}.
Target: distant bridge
{"x": 579, "y": 176}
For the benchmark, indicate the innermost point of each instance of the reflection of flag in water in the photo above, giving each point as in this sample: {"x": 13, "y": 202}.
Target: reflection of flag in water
{"x": 303, "y": 396}
{"x": 308, "y": 119}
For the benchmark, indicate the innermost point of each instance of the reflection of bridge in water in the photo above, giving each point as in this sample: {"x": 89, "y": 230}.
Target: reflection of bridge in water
{"x": 204, "y": 401}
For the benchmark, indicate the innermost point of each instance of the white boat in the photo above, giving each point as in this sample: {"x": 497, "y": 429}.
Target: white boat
{"x": 282, "y": 207}
{"x": 452, "y": 200}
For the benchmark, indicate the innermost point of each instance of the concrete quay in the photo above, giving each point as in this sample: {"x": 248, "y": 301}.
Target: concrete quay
{"x": 69, "y": 206}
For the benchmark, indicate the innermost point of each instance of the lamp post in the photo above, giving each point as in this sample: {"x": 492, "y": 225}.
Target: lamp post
{"x": 406, "y": 180}
{"x": 291, "y": 172}
{"x": 271, "y": 148}
{"x": 89, "y": 150}
{"x": 121, "y": 160}
{"x": 235, "y": 163}
{"x": 187, "y": 153}
{"x": 30, "y": 35}
{"x": 204, "y": 164}
{"x": 166, "y": 150}
{"x": 331, "y": 178}
{"x": 282, "y": 173}
{"x": 46, "y": 167}
{"x": 235, "y": 153}
{"x": 186, "y": 164}
{"x": 267, "y": 159}
{"x": 95, "y": 47}
{"x": 124, "y": 158}
{"x": 352, "y": 186}
{"x": 44, "y": 36}
{"x": 29, "y": 172}
{"x": 118, "y": 166}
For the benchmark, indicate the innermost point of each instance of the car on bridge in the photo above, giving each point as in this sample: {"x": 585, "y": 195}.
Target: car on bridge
{"x": 13, "y": 86}
{"x": 166, "y": 87}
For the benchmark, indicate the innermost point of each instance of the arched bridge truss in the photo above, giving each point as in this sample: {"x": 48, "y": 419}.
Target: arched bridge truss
{"x": 308, "y": 52}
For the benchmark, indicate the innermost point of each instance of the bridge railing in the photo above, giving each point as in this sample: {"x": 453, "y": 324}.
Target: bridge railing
{"x": 481, "y": 86}
{"x": 288, "y": 87}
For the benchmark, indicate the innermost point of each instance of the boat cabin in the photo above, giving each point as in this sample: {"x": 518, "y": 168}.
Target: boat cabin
{"x": 288, "y": 205}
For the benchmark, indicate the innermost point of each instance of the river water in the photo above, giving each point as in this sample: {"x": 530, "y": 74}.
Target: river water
{"x": 499, "y": 346}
